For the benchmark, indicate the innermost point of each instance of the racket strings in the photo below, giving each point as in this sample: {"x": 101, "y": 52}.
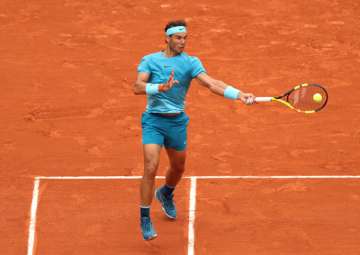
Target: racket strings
{"x": 308, "y": 98}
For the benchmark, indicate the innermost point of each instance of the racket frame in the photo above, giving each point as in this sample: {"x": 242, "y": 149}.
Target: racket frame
{"x": 286, "y": 95}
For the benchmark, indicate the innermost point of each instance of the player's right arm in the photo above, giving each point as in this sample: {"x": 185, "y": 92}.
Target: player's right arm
{"x": 142, "y": 82}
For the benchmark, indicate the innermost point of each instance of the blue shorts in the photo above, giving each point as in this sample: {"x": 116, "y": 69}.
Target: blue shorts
{"x": 168, "y": 131}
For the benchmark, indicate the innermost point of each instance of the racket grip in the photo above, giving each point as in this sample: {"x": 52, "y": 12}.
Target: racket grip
{"x": 263, "y": 99}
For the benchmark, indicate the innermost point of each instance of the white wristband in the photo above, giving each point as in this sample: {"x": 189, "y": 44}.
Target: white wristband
{"x": 231, "y": 92}
{"x": 152, "y": 89}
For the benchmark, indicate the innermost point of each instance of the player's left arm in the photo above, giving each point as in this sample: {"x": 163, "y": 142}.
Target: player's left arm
{"x": 219, "y": 87}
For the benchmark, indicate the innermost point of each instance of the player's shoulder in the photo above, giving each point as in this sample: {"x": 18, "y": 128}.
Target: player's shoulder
{"x": 190, "y": 58}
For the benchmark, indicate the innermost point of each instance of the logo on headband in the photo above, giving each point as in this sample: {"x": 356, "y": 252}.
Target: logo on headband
{"x": 174, "y": 30}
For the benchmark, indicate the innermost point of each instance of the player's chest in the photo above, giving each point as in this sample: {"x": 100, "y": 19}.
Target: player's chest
{"x": 164, "y": 68}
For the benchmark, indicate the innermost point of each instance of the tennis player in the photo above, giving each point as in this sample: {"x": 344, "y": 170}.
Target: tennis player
{"x": 165, "y": 78}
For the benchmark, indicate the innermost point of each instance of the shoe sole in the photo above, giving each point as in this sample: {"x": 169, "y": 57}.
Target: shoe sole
{"x": 151, "y": 238}
{"x": 167, "y": 215}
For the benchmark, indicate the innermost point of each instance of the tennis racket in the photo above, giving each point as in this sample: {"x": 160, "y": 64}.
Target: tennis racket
{"x": 305, "y": 98}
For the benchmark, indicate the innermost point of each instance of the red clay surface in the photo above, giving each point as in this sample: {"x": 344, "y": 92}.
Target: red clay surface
{"x": 278, "y": 217}
{"x": 102, "y": 219}
{"x": 67, "y": 106}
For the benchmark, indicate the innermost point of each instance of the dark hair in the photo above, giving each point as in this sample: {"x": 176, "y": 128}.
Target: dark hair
{"x": 175, "y": 23}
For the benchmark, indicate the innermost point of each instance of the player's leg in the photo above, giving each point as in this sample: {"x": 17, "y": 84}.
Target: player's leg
{"x": 173, "y": 175}
{"x": 151, "y": 164}
{"x": 152, "y": 142}
{"x": 177, "y": 166}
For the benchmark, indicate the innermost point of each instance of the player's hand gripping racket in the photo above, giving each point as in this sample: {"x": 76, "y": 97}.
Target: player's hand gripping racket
{"x": 305, "y": 98}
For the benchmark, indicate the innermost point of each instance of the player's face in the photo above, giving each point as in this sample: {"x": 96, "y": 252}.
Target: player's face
{"x": 177, "y": 42}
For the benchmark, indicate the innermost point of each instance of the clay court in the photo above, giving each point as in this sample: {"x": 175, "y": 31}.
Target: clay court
{"x": 260, "y": 179}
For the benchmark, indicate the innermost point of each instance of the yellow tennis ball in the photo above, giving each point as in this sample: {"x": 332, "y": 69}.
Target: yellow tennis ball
{"x": 317, "y": 97}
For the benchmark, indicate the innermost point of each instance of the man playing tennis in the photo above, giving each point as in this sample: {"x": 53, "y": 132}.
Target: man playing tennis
{"x": 165, "y": 78}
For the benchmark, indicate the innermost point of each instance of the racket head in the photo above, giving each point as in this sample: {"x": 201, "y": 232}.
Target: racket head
{"x": 306, "y": 98}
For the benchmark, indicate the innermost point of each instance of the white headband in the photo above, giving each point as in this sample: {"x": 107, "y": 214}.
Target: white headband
{"x": 174, "y": 30}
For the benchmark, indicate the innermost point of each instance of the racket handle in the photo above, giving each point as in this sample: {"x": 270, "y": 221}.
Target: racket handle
{"x": 263, "y": 99}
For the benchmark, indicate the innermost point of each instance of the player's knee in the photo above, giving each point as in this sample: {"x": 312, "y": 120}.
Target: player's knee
{"x": 150, "y": 169}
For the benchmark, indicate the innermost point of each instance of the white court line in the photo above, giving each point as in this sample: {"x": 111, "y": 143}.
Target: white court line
{"x": 93, "y": 177}
{"x": 290, "y": 177}
{"x": 192, "y": 210}
{"x": 192, "y": 202}
{"x": 32, "y": 223}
